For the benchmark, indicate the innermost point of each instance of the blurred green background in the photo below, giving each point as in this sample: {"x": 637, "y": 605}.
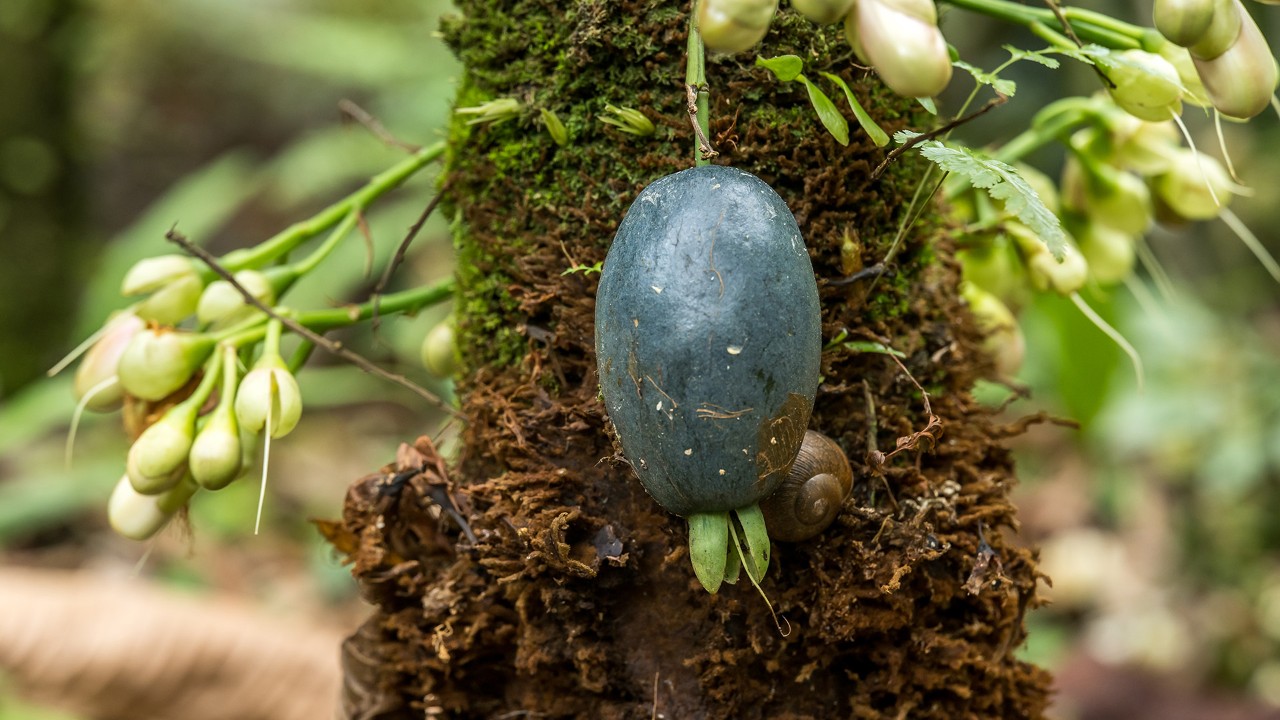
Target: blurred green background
{"x": 1157, "y": 519}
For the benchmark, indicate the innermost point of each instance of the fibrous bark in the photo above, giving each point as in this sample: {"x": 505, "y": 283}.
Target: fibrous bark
{"x": 575, "y": 598}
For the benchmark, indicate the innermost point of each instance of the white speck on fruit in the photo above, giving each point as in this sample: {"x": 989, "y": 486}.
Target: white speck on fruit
{"x": 688, "y": 451}
{"x": 659, "y": 406}
{"x": 716, "y": 186}
{"x": 772, "y": 440}
{"x": 635, "y": 322}
{"x": 656, "y": 289}
{"x": 744, "y": 452}
{"x": 733, "y": 349}
{"x": 721, "y": 471}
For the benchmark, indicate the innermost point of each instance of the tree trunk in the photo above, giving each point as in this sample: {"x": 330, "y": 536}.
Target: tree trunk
{"x": 576, "y": 597}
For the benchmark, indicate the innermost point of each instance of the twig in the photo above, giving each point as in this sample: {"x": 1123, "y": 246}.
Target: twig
{"x": 373, "y": 125}
{"x": 333, "y": 347}
{"x": 894, "y": 153}
{"x": 398, "y": 258}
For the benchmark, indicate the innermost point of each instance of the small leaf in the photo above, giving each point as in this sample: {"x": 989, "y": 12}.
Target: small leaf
{"x": 709, "y": 548}
{"x": 584, "y": 269}
{"x": 997, "y": 83}
{"x": 1001, "y": 181}
{"x": 1036, "y": 56}
{"x": 866, "y": 346}
{"x": 869, "y": 126}
{"x": 554, "y": 127}
{"x": 928, "y": 104}
{"x": 754, "y": 541}
{"x": 784, "y": 67}
{"x": 831, "y": 118}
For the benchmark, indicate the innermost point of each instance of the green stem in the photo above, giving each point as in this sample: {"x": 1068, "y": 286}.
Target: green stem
{"x": 695, "y": 74}
{"x": 1089, "y": 26}
{"x": 1041, "y": 134}
{"x": 291, "y": 237}
{"x": 406, "y": 301}
{"x": 335, "y": 238}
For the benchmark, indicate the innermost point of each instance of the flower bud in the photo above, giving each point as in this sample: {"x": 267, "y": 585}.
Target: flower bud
{"x": 137, "y": 516}
{"x": 439, "y": 351}
{"x": 1183, "y": 21}
{"x": 98, "y": 366}
{"x": 1109, "y": 252}
{"x": 901, "y": 40}
{"x": 158, "y": 361}
{"x": 1004, "y": 342}
{"x": 628, "y": 120}
{"x": 157, "y": 459}
{"x": 269, "y": 387}
{"x": 1146, "y": 85}
{"x": 152, "y": 274}
{"x": 1043, "y": 269}
{"x": 215, "y": 458}
{"x": 1143, "y": 147}
{"x": 994, "y": 266}
{"x": 221, "y": 303}
{"x": 824, "y": 12}
{"x": 1192, "y": 89}
{"x": 1228, "y": 16}
{"x": 734, "y": 25}
{"x": 1241, "y": 81}
{"x": 1190, "y": 185}
{"x": 1117, "y": 199}
{"x": 172, "y": 303}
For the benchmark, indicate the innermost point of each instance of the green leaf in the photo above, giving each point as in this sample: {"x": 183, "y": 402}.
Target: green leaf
{"x": 997, "y": 83}
{"x": 928, "y": 104}
{"x": 784, "y": 67}
{"x": 584, "y": 269}
{"x": 709, "y": 547}
{"x": 866, "y": 346}
{"x": 831, "y": 118}
{"x": 1001, "y": 181}
{"x": 1036, "y": 56}
{"x": 869, "y": 126}
{"x": 754, "y": 541}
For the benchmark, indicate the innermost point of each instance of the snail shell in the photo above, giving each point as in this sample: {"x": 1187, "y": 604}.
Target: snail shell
{"x": 809, "y": 499}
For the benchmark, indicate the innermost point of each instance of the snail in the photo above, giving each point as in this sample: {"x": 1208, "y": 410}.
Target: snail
{"x": 708, "y": 344}
{"x": 810, "y": 497}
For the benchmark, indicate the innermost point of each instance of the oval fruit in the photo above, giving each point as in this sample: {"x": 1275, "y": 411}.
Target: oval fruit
{"x": 708, "y": 339}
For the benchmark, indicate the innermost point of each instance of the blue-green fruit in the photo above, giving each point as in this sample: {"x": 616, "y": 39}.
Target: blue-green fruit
{"x": 708, "y": 339}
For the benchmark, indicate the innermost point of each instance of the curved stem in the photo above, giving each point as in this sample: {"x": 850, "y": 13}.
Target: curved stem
{"x": 291, "y": 237}
{"x": 1090, "y": 26}
{"x": 407, "y": 301}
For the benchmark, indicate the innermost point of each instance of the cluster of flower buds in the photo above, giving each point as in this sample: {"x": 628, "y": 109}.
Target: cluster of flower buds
{"x": 173, "y": 361}
{"x": 1231, "y": 59}
{"x": 1121, "y": 175}
{"x": 899, "y": 38}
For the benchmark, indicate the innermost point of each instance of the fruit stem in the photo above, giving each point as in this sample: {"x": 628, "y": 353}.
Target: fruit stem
{"x": 695, "y": 76}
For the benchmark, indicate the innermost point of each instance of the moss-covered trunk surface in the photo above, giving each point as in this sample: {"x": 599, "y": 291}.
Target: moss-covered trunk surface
{"x": 576, "y": 598}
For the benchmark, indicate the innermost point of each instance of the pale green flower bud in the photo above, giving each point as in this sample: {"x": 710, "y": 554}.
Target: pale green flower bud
{"x": 1190, "y": 185}
{"x": 1109, "y": 252}
{"x": 1228, "y": 16}
{"x": 172, "y": 303}
{"x": 1146, "y": 148}
{"x": 216, "y": 457}
{"x": 1183, "y": 21}
{"x": 440, "y": 351}
{"x": 137, "y": 516}
{"x": 1241, "y": 81}
{"x": 269, "y": 387}
{"x": 1004, "y": 342}
{"x": 152, "y": 274}
{"x": 824, "y": 12}
{"x": 97, "y": 370}
{"x": 901, "y": 40}
{"x": 158, "y": 457}
{"x": 1043, "y": 269}
{"x": 1146, "y": 85}
{"x": 734, "y": 25}
{"x": 158, "y": 361}
{"x": 1117, "y": 199}
{"x": 494, "y": 111}
{"x": 221, "y": 303}
{"x": 995, "y": 266}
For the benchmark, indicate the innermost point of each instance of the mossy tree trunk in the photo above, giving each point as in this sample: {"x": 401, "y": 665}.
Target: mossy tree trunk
{"x": 576, "y": 598}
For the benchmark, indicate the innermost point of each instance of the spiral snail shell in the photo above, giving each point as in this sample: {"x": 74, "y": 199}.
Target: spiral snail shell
{"x": 810, "y": 497}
